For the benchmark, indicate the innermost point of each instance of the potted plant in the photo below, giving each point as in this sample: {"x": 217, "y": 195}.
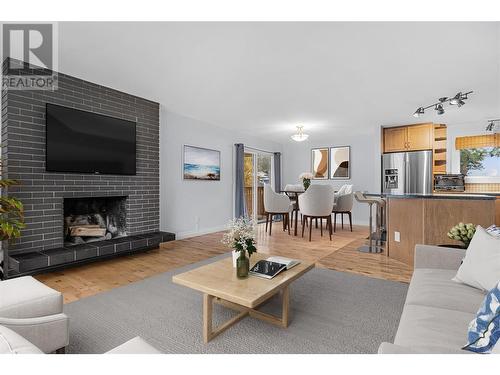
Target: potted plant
{"x": 241, "y": 238}
{"x": 11, "y": 214}
{"x": 463, "y": 233}
{"x": 306, "y": 178}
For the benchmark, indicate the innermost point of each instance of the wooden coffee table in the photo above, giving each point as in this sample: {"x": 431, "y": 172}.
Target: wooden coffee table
{"x": 218, "y": 283}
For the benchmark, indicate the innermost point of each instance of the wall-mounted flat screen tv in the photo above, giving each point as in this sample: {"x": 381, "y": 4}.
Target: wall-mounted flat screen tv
{"x": 84, "y": 142}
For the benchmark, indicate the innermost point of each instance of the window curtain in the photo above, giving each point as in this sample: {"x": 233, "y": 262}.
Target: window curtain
{"x": 239, "y": 194}
{"x": 277, "y": 172}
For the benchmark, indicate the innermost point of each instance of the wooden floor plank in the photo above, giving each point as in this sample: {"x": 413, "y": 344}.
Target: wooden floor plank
{"x": 339, "y": 254}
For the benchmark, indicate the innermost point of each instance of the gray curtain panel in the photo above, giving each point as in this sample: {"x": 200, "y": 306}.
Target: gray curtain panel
{"x": 239, "y": 194}
{"x": 277, "y": 172}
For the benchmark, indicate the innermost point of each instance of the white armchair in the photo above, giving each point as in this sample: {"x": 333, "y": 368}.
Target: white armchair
{"x": 34, "y": 311}
{"x": 12, "y": 342}
{"x": 317, "y": 203}
{"x": 343, "y": 205}
{"x": 276, "y": 204}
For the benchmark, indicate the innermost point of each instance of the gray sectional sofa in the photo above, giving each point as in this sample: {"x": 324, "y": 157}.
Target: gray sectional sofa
{"x": 437, "y": 310}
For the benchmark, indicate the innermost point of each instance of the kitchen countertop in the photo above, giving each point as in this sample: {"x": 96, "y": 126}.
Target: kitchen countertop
{"x": 468, "y": 196}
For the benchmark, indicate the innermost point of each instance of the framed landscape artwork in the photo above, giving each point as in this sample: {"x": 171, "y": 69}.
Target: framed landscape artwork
{"x": 201, "y": 164}
{"x": 340, "y": 163}
{"x": 319, "y": 159}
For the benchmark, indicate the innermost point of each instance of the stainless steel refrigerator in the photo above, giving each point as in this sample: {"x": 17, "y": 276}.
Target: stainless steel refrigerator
{"x": 407, "y": 172}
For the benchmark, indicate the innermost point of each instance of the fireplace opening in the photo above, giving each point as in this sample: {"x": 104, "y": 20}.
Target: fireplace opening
{"x": 94, "y": 219}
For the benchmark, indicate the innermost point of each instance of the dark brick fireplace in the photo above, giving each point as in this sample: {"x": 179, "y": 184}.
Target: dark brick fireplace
{"x": 44, "y": 193}
{"x": 108, "y": 215}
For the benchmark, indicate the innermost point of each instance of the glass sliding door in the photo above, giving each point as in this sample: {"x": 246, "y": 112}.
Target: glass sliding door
{"x": 258, "y": 171}
{"x": 249, "y": 183}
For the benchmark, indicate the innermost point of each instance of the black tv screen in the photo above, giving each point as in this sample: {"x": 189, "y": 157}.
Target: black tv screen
{"x": 84, "y": 142}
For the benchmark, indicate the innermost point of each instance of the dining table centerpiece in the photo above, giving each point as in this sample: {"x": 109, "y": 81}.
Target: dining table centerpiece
{"x": 242, "y": 239}
{"x": 306, "y": 178}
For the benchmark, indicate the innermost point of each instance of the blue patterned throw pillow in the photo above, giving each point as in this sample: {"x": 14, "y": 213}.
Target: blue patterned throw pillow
{"x": 484, "y": 331}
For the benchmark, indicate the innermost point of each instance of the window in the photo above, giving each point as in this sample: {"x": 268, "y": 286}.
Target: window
{"x": 483, "y": 161}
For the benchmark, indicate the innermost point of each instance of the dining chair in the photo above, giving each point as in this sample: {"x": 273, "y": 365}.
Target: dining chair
{"x": 276, "y": 204}
{"x": 343, "y": 205}
{"x": 317, "y": 203}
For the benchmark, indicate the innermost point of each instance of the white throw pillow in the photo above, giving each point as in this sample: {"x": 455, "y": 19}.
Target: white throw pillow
{"x": 481, "y": 266}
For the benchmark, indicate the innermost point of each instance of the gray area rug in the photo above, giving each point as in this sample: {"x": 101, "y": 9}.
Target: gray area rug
{"x": 331, "y": 312}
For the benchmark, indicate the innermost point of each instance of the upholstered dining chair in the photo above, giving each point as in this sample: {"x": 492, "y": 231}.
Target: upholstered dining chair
{"x": 276, "y": 204}
{"x": 343, "y": 205}
{"x": 317, "y": 203}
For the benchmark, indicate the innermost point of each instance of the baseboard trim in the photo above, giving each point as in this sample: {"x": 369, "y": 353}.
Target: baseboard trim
{"x": 194, "y": 233}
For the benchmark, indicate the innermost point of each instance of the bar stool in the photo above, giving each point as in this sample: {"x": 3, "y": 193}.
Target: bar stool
{"x": 374, "y": 244}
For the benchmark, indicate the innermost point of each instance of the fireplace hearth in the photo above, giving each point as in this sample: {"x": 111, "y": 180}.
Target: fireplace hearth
{"x": 93, "y": 219}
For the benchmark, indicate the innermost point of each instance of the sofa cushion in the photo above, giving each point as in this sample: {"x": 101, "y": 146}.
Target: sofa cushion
{"x": 432, "y": 329}
{"x": 435, "y": 288}
{"x": 25, "y": 297}
{"x": 12, "y": 343}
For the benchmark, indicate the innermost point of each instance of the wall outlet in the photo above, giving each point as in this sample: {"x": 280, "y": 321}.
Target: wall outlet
{"x": 397, "y": 236}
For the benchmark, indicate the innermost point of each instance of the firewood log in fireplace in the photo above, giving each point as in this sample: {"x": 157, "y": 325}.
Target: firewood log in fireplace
{"x": 87, "y": 230}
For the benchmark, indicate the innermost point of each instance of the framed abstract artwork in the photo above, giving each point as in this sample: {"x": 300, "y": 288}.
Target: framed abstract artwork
{"x": 319, "y": 163}
{"x": 201, "y": 164}
{"x": 340, "y": 163}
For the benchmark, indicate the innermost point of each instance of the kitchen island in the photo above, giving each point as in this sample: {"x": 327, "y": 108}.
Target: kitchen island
{"x": 426, "y": 218}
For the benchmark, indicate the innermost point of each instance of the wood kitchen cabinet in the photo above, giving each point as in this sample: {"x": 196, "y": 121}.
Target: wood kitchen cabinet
{"x": 427, "y": 221}
{"x": 409, "y": 138}
{"x": 395, "y": 139}
{"x": 497, "y": 211}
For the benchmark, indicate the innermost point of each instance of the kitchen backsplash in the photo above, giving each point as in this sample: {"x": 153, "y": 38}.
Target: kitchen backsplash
{"x": 482, "y": 188}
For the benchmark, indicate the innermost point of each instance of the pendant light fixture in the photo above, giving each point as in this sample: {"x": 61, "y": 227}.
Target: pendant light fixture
{"x": 457, "y": 100}
{"x": 300, "y": 136}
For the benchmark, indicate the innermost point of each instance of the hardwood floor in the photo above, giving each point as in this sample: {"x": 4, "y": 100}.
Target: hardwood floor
{"x": 338, "y": 254}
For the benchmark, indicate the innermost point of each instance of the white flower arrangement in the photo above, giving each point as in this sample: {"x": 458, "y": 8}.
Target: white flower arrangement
{"x": 241, "y": 235}
{"x": 306, "y": 176}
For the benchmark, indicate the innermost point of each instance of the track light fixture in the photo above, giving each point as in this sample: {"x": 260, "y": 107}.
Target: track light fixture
{"x": 492, "y": 125}
{"x": 457, "y": 100}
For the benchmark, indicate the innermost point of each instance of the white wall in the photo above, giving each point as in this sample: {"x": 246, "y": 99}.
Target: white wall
{"x": 365, "y": 164}
{"x": 189, "y": 208}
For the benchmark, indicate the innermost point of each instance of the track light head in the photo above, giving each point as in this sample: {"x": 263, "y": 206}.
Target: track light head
{"x": 419, "y": 112}
{"x": 490, "y": 126}
{"x": 443, "y": 99}
{"x": 439, "y": 108}
{"x": 456, "y": 99}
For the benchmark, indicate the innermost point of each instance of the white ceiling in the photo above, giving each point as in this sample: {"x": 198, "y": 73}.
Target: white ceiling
{"x": 264, "y": 78}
